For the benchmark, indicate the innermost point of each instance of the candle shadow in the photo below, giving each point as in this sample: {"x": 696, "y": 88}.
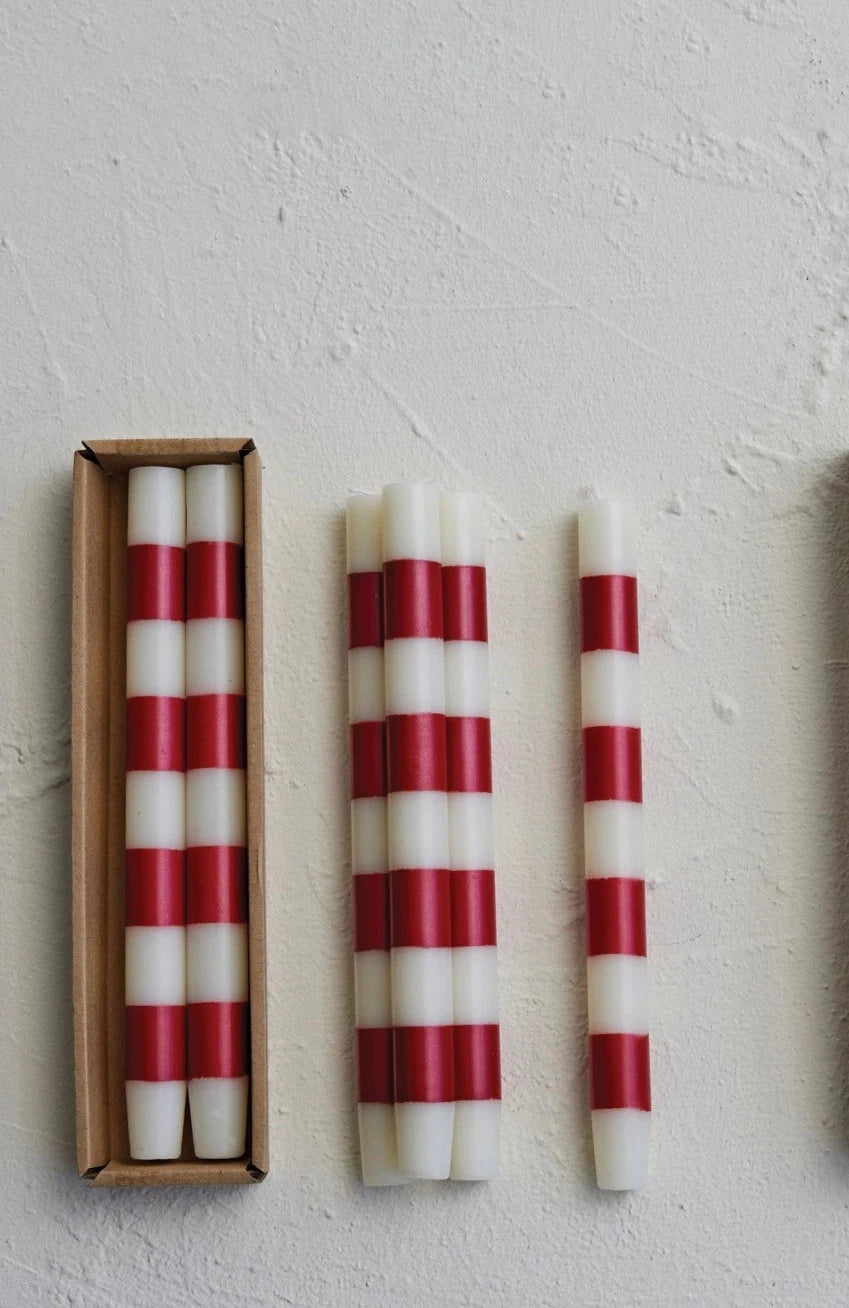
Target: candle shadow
{"x": 834, "y": 546}
{"x": 578, "y": 1097}
{"x": 36, "y": 799}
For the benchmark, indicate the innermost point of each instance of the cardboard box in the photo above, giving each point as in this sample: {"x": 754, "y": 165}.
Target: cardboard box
{"x": 97, "y": 827}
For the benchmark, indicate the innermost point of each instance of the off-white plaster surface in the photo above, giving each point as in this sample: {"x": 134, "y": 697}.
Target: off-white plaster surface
{"x": 535, "y": 249}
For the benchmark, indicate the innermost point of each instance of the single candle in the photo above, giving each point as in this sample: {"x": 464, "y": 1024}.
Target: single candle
{"x": 216, "y": 825}
{"x": 617, "y": 981}
{"x": 417, "y": 826}
{"x": 372, "y": 982}
{"x": 477, "y": 1122}
{"x": 155, "y": 937}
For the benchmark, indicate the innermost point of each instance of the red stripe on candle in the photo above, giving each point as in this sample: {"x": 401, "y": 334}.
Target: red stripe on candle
{"x": 156, "y": 582}
{"x": 472, "y": 907}
{"x": 371, "y": 911}
{"x": 464, "y": 602}
{"x": 155, "y": 887}
{"x": 609, "y": 613}
{"x": 616, "y": 915}
{"x": 413, "y": 598}
{"x": 368, "y": 760}
{"x": 218, "y": 1039}
{"x": 156, "y": 735}
{"x": 155, "y": 1042}
{"x": 420, "y": 904}
{"x": 216, "y": 884}
{"x": 215, "y": 579}
{"x": 619, "y": 1071}
{"x": 469, "y": 754}
{"x": 215, "y": 731}
{"x": 375, "y": 1064}
{"x": 415, "y": 749}
{"x": 365, "y": 609}
{"x": 424, "y": 1064}
{"x": 612, "y": 764}
{"x": 477, "y": 1061}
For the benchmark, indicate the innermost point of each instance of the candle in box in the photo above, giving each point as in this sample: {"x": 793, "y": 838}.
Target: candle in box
{"x": 216, "y": 835}
{"x": 617, "y": 980}
{"x": 155, "y": 937}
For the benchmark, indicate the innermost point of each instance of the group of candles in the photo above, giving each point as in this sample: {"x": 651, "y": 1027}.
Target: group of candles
{"x": 426, "y": 995}
{"x": 425, "y": 984}
{"x": 186, "y": 946}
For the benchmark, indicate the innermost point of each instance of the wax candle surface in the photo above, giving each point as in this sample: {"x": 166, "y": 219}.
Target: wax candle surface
{"x": 469, "y": 771}
{"x": 617, "y": 982}
{"x": 216, "y": 823}
{"x": 372, "y": 982}
{"x": 155, "y": 939}
{"x": 420, "y": 889}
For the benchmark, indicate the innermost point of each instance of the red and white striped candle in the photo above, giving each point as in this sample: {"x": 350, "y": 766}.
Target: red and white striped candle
{"x": 617, "y": 978}
{"x": 155, "y": 940}
{"x": 372, "y": 980}
{"x": 417, "y": 825}
{"x": 216, "y": 828}
{"x": 477, "y": 1121}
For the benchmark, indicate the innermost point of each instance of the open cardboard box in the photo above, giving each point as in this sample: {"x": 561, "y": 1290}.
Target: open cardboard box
{"x": 98, "y": 658}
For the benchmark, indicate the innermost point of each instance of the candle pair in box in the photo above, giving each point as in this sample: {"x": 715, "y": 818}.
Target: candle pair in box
{"x": 168, "y": 813}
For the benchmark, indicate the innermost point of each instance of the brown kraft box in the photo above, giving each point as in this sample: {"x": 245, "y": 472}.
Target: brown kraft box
{"x": 98, "y": 658}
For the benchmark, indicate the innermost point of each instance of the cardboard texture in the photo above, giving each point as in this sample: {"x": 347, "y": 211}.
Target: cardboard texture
{"x": 98, "y": 655}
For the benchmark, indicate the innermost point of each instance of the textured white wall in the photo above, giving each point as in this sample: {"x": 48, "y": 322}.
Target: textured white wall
{"x": 534, "y": 249}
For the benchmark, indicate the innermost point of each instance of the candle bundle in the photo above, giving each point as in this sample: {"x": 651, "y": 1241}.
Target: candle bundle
{"x": 155, "y": 938}
{"x": 427, "y": 1025}
{"x": 186, "y": 860}
{"x": 617, "y": 980}
{"x": 372, "y": 986}
{"x": 477, "y": 1067}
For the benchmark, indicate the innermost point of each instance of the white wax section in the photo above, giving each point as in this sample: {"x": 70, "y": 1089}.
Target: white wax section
{"x": 475, "y": 985}
{"x": 463, "y": 532}
{"x": 156, "y": 658}
{"x": 156, "y": 810}
{"x": 155, "y": 1114}
{"x": 614, "y": 842}
{"x": 156, "y": 507}
{"x": 215, "y": 656}
{"x": 378, "y": 1145}
{"x": 477, "y": 1129}
{"x": 364, "y": 533}
{"x": 372, "y": 988}
{"x": 606, "y": 539}
{"x": 471, "y": 828}
{"x": 366, "y": 693}
{"x": 415, "y": 675}
{"x": 219, "y": 1110}
{"x": 425, "y": 1135}
{"x": 217, "y": 962}
{"x": 155, "y": 965}
{"x": 411, "y": 522}
{"x": 417, "y": 827}
{"x": 368, "y": 835}
{"x": 215, "y": 503}
{"x": 216, "y": 807}
{"x": 617, "y": 994}
{"x": 621, "y": 1140}
{"x": 422, "y": 987}
{"x": 467, "y": 678}
{"x": 610, "y": 688}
